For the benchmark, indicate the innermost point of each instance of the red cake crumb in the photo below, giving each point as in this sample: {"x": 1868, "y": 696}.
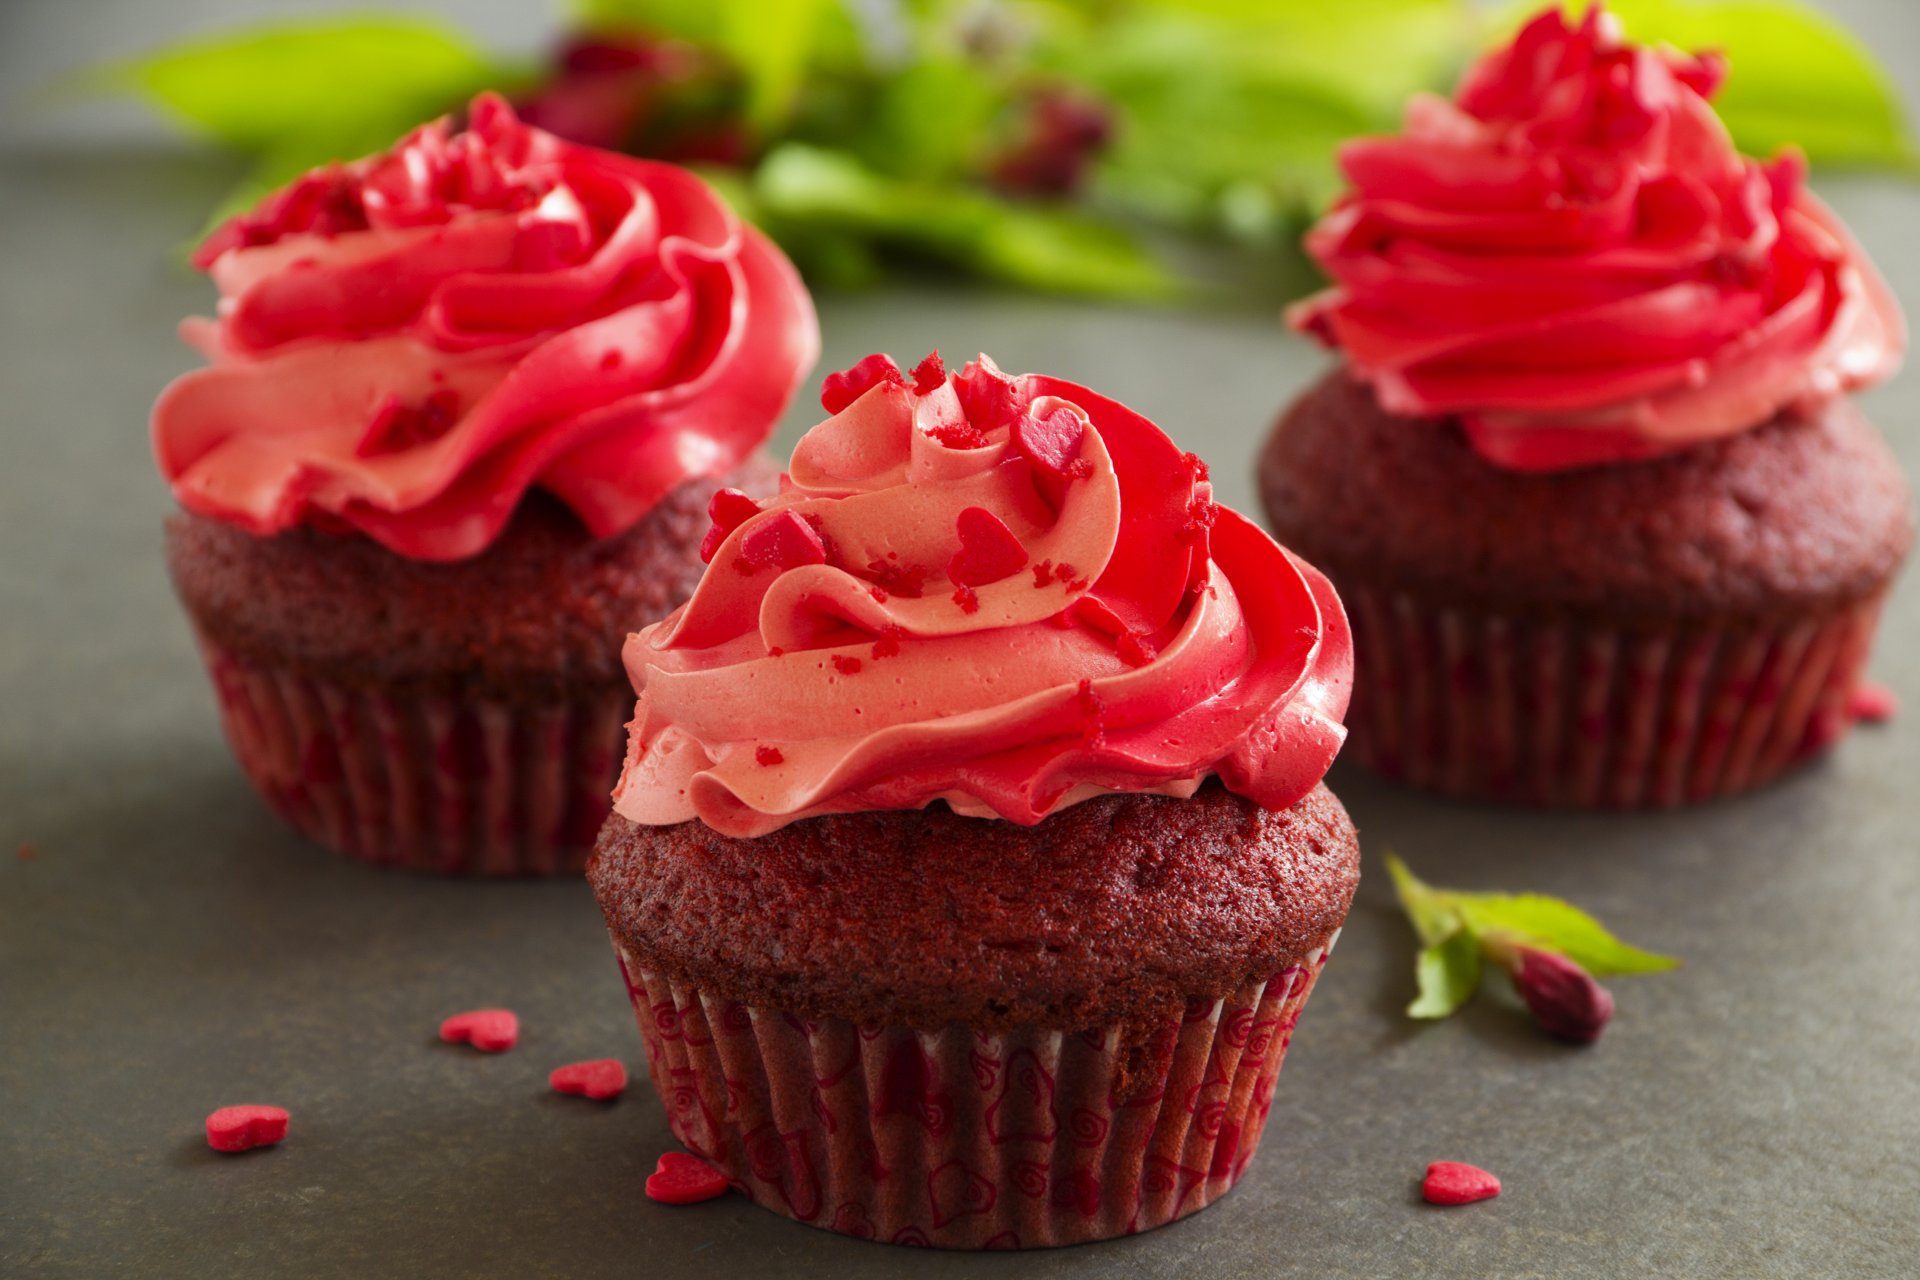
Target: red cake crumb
{"x": 679, "y": 1178}
{"x": 601, "y": 1079}
{"x": 488, "y": 1030}
{"x": 845, "y": 665}
{"x": 929, "y": 373}
{"x": 1450, "y": 1182}
{"x": 243, "y": 1128}
{"x": 767, "y": 757}
{"x": 966, "y": 599}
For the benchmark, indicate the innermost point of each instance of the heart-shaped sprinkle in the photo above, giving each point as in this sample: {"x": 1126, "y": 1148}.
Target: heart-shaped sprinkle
{"x": 601, "y": 1079}
{"x": 1450, "y": 1182}
{"x": 1873, "y": 703}
{"x": 783, "y": 542}
{"x": 989, "y": 398}
{"x": 683, "y": 1179}
{"x": 988, "y": 550}
{"x": 841, "y": 389}
{"x": 488, "y": 1030}
{"x": 1051, "y": 443}
{"x": 728, "y": 509}
{"x": 247, "y": 1127}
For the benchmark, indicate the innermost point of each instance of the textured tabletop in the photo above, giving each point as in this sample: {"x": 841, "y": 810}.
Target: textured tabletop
{"x": 168, "y": 947}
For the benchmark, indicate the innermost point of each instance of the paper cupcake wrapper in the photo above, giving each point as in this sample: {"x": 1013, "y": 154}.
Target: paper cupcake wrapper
{"x": 961, "y": 1139}
{"x": 389, "y": 775}
{"x": 1562, "y": 714}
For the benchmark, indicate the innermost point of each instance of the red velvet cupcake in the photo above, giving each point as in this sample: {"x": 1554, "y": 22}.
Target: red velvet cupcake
{"x": 466, "y": 407}
{"x": 971, "y": 863}
{"x": 1609, "y": 531}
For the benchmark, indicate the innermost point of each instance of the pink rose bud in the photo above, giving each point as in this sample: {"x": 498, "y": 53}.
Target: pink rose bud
{"x": 1564, "y": 998}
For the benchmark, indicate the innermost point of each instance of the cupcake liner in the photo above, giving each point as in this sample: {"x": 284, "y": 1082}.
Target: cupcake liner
{"x": 964, "y": 1139}
{"x": 1565, "y": 714}
{"x": 394, "y": 776}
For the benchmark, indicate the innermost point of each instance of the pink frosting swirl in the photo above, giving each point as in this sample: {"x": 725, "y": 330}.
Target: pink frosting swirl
{"x": 407, "y": 343}
{"x": 1004, "y": 592}
{"x": 1572, "y": 259}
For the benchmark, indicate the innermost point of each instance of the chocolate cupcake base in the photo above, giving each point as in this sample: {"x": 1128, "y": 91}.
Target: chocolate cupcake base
{"x": 1486, "y": 706}
{"x": 967, "y": 1033}
{"x": 966, "y": 1138}
{"x": 1636, "y": 635}
{"x": 464, "y": 718}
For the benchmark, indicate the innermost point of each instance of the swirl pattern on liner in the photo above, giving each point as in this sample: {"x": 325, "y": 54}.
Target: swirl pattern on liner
{"x": 1004, "y": 592}
{"x": 407, "y": 343}
{"x": 1572, "y": 258}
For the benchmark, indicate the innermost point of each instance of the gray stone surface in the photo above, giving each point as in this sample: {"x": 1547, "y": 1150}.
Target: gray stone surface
{"x": 171, "y": 948}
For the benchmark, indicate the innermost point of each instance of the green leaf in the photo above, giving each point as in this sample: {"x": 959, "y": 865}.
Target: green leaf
{"x": 1796, "y": 77}
{"x": 1226, "y": 93}
{"x": 312, "y": 89}
{"x": 1449, "y": 973}
{"x": 1434, "y": 919}
{"x": 813, "y": 189}
{"x": 1552, "y": 925}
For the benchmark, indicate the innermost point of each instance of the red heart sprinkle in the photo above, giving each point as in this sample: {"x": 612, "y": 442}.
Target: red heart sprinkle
{"x": 988, "y": 550}
{"x": 929, "y": 373}
{"x": 601, "y": 1079}
{"x": 1050, "y": 443}
{"x": 784, "y": 542}
{"x": 683, "y": 1179}
{"x": 728, "y": 509}
{"x": 488, "y": 1030}
{"x": 244, "y": 1128}
{"x": 1450, "y": 1182}
{"x": 1874, "y": 703}
{"x": 841, "y": 389}
{"x": 989, "y": 398}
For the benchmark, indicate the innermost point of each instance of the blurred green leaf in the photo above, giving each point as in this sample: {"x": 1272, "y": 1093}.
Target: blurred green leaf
{"x": 1220, "y": 95}
{"x": 319, "y": 89}
{"x": 1552, "y": 925}
{"x": 1434, "y": 919}
{"x": 1039, "y": 248}
{"x": 1797, "y": 77}
{"x": 1448, "y": 973}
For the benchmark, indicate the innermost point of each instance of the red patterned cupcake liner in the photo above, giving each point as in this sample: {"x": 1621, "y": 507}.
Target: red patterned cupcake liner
{"x": 961, "y": 1139}
{"x": 392, "y": 776}
{"x": 1564, "y": 714}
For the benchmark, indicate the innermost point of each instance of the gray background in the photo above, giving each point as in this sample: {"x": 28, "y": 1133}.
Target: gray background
{"x": 172, "y": 949}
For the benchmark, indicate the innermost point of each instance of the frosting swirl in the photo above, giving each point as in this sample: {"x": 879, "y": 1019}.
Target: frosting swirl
{"x": 1004, "y": 592}
{"x": 1572, "y": 258}
{"x": 405, "y": 344}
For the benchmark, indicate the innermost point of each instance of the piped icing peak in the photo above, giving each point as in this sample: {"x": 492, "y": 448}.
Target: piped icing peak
{"x": 1001, "y": 591}
{"x": 407, "y": 343}
{"x": 1571, "y": 258}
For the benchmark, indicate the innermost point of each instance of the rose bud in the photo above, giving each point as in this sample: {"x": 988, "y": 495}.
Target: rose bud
{"x": 1564, "y": 998}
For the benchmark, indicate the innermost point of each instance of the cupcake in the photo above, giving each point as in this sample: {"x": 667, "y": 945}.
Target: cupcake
{"x": 1609, "y": 531}
{"x": 466, "y": 407}
{"x": 971, "y": 864}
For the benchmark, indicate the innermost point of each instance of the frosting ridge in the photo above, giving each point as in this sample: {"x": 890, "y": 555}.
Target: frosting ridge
{"x": 407, "y": 343}
{"x": 1004, "y": 592}
{"x": 1572, "y": 259}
